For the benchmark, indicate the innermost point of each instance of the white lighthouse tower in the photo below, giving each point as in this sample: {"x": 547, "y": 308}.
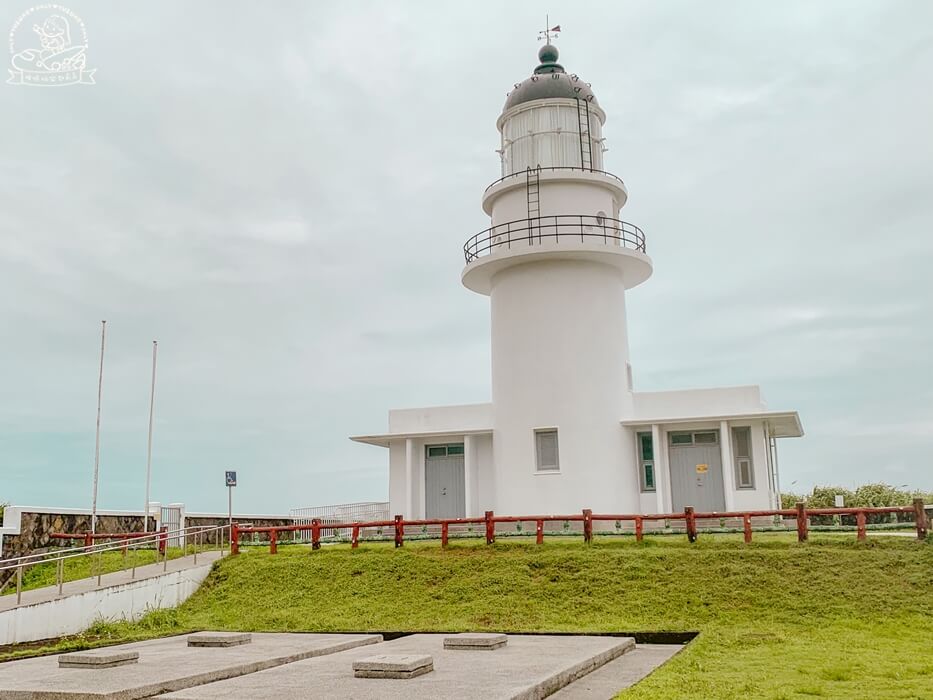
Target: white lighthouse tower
{"x": 565, "y": 429}
{"x": 556, "y": 264}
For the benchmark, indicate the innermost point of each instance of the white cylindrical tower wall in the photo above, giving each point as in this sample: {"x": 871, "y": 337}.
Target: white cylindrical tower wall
{"x": 559, "y": 360}
{"x": 570, "y": 194}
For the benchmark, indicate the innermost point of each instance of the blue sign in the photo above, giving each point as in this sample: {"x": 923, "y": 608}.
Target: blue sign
{"x": 230, "y": 478}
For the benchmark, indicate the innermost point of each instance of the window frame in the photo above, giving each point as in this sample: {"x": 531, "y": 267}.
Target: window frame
{"x": 446, "y": 447}
{"x": 643, "y": 463}
{"x": 737, "y": 458}
{"x": 537, "y": 445}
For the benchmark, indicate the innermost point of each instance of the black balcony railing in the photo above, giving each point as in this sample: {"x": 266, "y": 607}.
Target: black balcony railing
{"x": 579, "y": 228}
{"x": 543, "y": 169}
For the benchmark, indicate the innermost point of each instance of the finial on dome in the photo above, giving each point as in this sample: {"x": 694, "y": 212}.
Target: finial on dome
{"x": 548, "y": 54}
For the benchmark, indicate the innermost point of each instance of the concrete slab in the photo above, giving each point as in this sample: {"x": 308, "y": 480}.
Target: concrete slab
{"x": 396, "y": 666}
{"x": 165, "y": 665}
{"x": 470, "y": 642}
{"x": 606, "y": 682}
{"x": 219, "y": 639}
{"x": 98, "y": 659}
{"x": 529, "y": 668}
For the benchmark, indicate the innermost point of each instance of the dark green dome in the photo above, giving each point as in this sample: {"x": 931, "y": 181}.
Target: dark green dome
{"x": 549, "y": 81}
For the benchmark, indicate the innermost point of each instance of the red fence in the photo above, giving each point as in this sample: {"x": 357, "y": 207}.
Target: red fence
{"x": 90, "y": 538}
{"x": 587, "y": 517}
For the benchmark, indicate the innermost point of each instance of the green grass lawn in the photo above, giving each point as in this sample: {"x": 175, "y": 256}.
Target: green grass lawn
{"x": 831, "y": 618}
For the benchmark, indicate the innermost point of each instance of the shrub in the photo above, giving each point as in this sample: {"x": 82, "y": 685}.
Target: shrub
{"x": 879, "y": 495}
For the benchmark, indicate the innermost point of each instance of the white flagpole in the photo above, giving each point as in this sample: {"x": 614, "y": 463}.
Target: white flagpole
{"x": 100, "y": 390}
{"x": 155, "y": 349}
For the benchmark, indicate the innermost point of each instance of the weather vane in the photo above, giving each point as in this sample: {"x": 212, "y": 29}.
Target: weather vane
{"x": 546, "y": 33}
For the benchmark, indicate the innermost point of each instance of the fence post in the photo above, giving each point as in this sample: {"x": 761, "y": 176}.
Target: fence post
{"x": 88, "y": 539}
{"x": 691, "y": 524}
{"x": 747, "y": 527}
{"x": 639, "y": 529}
{"x": 235, "y": 539}
{"x": 399, "y": 532}
{"x": 490, "y": 527}
{"x": 587, "y": 525}
{"x": 315, "y": 533}
{"x": 355, "y": 537}
{"x": 19, "y": 583}
{"x": 273, "y": 542}
{"x": 920, "y": 517}
{"x": 163, "y": 540}
{"x": 444, "y": 534}
{"x": 801, "y": 521}
{"x": 539, "y": 531}
{"x": 860, "y": 524}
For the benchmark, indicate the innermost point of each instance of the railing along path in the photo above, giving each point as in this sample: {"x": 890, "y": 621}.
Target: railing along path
{"x": 99, "y": 543}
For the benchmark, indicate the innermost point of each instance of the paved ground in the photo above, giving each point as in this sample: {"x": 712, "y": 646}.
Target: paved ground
{"x": 604, "y": 683}
{"x": 164, "y": 665}
{"x": 527, "y": 667}
{"x": 44, "y": 595}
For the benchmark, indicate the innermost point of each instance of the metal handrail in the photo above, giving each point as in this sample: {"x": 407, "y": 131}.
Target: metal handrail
{"x": 70, "y": 552}
{"x": 542, "y": 168}
{"x": 536, "y": 230}
{"x": 123, "y": 543}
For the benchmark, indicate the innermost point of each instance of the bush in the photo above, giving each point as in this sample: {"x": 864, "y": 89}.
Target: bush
{"x": 866, "y": 496}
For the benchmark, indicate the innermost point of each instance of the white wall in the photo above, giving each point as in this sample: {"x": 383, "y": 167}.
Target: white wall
{"x": 559, "y": 352}
{"x": 75, "y": 613}
{"x": 436, "y": 419}
{"x": 560, "y": 194}
{"x": 698, "y": 402}
{"x": 485, "y": 490}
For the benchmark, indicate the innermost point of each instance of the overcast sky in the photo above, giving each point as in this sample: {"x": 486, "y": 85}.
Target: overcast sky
{"x": 280, "y": 191}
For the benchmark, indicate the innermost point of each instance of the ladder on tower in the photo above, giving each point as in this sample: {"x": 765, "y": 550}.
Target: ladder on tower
{"x": 586, "y": 143}
{"x": 533, "y": 194}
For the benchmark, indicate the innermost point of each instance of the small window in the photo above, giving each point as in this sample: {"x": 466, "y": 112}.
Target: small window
{"x": 742, "y": 455}
{"x": 704, "y": 438}
{"x": 646, "y": 461}
{"x": 681, "y": 438}
{"x": 546, "y": 450}
{"x": 445, "y": 450}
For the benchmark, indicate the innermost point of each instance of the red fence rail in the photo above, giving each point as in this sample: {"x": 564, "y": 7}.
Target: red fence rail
{"x": 587, "y": 517}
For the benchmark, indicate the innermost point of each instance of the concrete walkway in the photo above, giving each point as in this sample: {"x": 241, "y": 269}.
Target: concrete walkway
{"x": 117, "y": 578}
{"x": 606, "y": 682}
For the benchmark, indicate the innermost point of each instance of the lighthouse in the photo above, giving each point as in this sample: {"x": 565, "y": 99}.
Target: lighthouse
{"x": 556, "y": 263}
{"x": 565, "y": 428}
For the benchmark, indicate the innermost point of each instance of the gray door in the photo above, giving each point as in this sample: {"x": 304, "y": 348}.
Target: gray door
{"x": 444, "y": 495}
{"x": 696, "y": 471}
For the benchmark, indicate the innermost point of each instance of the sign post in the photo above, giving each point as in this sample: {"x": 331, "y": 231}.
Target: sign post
{"x": 230, "y": 480}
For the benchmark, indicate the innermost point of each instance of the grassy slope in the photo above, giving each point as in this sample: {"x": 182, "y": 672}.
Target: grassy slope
{"x": 832, "y": 618}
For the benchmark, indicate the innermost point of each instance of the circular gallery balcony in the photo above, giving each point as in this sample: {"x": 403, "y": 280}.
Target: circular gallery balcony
{"x": 561, "y": 237}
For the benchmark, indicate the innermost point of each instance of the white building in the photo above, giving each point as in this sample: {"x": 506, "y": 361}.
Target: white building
{"x": 565, "y": 430}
